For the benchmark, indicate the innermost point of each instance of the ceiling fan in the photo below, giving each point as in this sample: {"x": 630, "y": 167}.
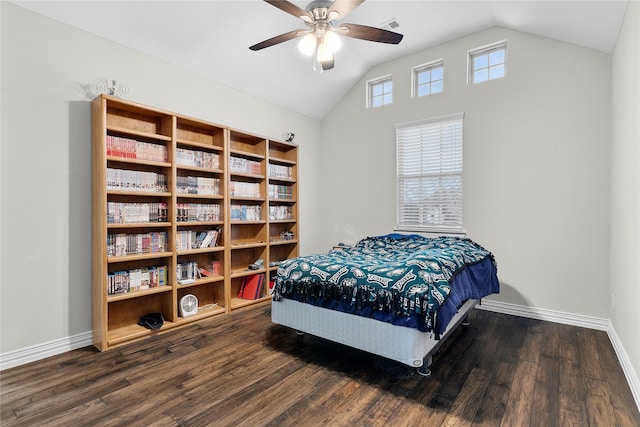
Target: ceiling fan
{"x": 320, "y": 38}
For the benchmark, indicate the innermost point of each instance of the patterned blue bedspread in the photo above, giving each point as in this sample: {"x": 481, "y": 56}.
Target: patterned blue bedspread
{"x": 399, "y": 279}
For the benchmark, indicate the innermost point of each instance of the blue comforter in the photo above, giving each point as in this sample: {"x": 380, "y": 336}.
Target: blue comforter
{"x": 410, "y": 281}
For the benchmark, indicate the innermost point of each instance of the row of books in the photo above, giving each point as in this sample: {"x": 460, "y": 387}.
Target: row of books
{"x": 200, "y": 159}
{"x": 244, "y": 189}
{"x": 136, "y": 279}
{"x": 189, "y": 212}
{"x": 197, "y": 185}
{"x": 239, "y": 164}
{"x": 128, "y": 148}
{"x": 130, "y": 180}
{"x": 280, "y": 171}
{"x": 280, "y": 191}
{"x": 192, "y": 239}
{"x": 280, "y": 212}
{"x": 128, "y": 213}
{"x": 246, "y": 213}
{"x": 132, "y": 244}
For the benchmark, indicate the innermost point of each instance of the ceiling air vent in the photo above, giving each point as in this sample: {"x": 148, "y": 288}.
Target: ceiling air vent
{"x": 390, "y": 25}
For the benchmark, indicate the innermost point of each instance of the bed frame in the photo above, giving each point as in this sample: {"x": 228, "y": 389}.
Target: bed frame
{"x": 402, "y": 344}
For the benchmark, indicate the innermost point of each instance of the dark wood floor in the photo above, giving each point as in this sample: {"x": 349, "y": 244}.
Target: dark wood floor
{"x": 241, "y": 370}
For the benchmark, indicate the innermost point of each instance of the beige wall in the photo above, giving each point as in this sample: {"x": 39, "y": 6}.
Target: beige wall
{"x": 536, "y": 164}
{"x": 47, "y": 71}
{"x": 625, "y": 188}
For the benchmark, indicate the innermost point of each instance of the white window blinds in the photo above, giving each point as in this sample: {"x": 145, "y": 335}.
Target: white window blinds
{"x": 429, "y": 174}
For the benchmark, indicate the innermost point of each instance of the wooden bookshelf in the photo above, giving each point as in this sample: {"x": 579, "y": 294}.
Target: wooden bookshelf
{"x": 160, "y": 182}
{"x": 247, "y": 210}
{"x": 283, "y": 203}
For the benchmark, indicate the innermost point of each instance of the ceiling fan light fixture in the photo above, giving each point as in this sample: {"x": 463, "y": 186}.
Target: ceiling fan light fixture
{"x": 323, "y": 53}
{"x": 332, "y": 41}
{"x": 323, "y": 35}
{"x": 307, "y": 44}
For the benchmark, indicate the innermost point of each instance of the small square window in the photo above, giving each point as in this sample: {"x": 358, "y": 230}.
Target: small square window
{"x": 488, "y": 62}
{"x": 428, "y": 79}
{"x": 380, "y": 92}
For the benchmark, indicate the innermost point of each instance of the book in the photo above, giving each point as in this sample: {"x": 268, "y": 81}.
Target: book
{"x": 145, "y": 279}
{"x": 205, "y": 273}
{"x": 251, "y": 287}
{"x": 211, "y": 239}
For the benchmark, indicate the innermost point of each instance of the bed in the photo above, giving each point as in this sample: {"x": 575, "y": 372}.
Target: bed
{"x": 397, "y": 296}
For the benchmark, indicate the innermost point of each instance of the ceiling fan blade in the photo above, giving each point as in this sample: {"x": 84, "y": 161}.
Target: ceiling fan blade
{"x": 343, "y": 7}
{"x": 370, "y": 33}
{"x": 290, "y": 8}
{"x": 277, "y": 39}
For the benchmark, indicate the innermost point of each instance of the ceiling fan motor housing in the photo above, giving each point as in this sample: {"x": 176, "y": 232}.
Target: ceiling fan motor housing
{"x": 319, "y": 8}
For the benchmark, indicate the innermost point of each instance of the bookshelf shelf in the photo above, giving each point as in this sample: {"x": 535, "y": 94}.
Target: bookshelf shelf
{"x": 197, "y": 223}
{"x": 278, "y": 179}
{"x": 200, "y": 196}
{"x": 139, "y": 257}
{"x": 140, "y": 293}
{"x": 248, "y": 154}
{"x": 237, "y": 303}
{"x": 113, "y": 159}
{"x": 247, "y": 245}
{"x": 203, "y": 313}
{"x": 138, "y": 193}
{"x": 200, "y": 250}
{"x": 195, "y": 144}
{"x": 245, "y": 272}
{"x": 247, "y": 199}
{"x": 135, "y": 133}
{"x": 284, "y": 242}
{"x": 199, "y": 169}
{"x": 198, "y": 282}
{"x": 239, "y": 222}
{"x": 246, "y": 175}
{"x": 282, "y": 221}
{"x": 133, "y": 332}
{"x": 140, "y": 225}
{"x": 138, "y": 149}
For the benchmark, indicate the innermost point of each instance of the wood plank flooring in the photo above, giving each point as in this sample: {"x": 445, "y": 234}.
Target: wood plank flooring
{"x": 242, "y": 370}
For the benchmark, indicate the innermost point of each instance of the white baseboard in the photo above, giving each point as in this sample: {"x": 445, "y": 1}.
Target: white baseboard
{"x": 41, "y": 351}
{"x": 547, "y": 315}
{"x": 574, "y": 320}
{"x": 627, "y": 367}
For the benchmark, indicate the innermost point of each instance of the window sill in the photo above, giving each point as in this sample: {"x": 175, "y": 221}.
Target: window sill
{"x": 430, "y": 232}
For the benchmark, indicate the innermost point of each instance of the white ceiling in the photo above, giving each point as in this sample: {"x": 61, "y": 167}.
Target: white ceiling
{"x": 212, "y": 38}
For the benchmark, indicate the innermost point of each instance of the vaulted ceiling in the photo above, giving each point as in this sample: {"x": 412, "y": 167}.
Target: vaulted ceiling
{"x": 212, "y": 38}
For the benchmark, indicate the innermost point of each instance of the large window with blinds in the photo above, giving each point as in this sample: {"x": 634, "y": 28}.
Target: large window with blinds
{"x": 429, "y": 174}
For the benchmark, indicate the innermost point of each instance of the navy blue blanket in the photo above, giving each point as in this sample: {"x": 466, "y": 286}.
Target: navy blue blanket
{"x": 410, "y": 281}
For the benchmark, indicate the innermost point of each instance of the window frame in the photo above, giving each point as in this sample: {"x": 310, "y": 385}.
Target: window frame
{"x": 482, "y": 50}
{"x": 371, "y": 84}
{"x": 448, "y": 207}
{"x": 418, "y": 69}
